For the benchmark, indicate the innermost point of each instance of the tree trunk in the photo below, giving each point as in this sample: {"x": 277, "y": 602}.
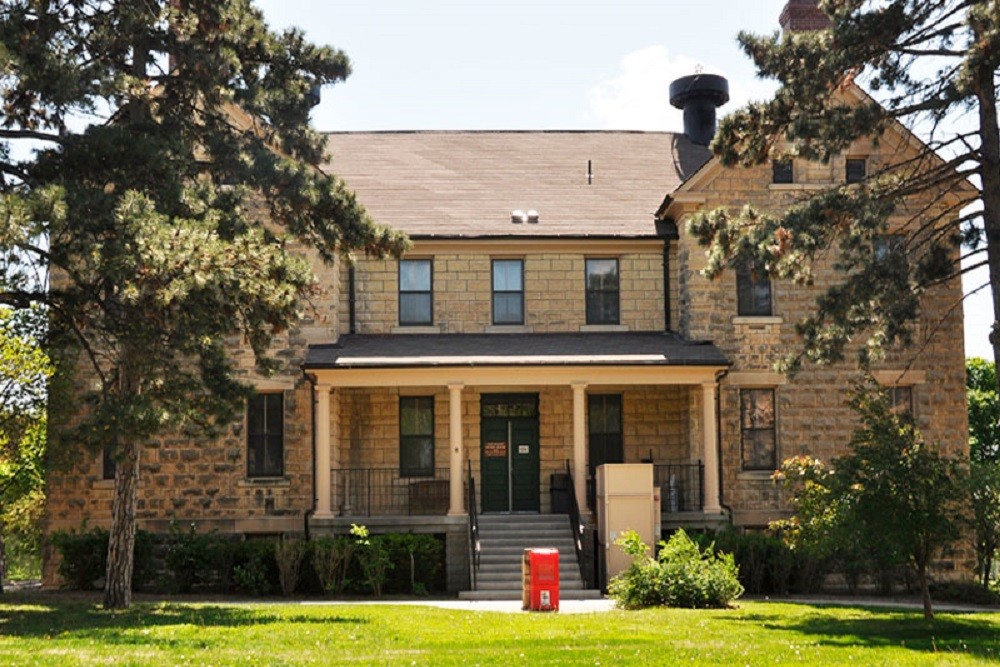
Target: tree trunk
{"x": 121, "y": 541}
{"x": 3, "y": 558}
{"x": 925, "y": 591}
{"x": 989, "y": 132}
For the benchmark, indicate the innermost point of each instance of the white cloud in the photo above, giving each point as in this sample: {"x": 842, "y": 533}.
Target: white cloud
{"x": 637, "y": 96}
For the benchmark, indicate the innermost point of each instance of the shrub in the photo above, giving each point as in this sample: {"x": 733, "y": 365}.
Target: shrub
{"x": 288, "y": 557}
{"x": 767, "y": 565}
{"x": 84, "y": 557}
{"x": 189, "y": 559}
{"x": 331, "y": 557}
{"x": 682, "y": 575}
{"x": 416, "y": 562}
{"x": 255, "y": 570}
{"x": 373, "y": 557}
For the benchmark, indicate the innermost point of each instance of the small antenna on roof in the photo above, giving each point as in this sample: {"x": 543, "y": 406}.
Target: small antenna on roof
{"x": 590, "y": 173}
{"x": 699, "y": 69}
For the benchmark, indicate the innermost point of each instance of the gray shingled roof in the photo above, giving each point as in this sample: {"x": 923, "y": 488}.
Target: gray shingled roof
{"x": 465, "y": 184}
{"x": 557, "y": 349}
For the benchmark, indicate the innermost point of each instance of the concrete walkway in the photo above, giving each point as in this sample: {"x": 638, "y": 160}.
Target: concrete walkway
{"x": 507, "y": 606}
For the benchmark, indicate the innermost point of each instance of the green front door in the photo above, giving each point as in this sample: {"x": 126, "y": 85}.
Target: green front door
{"x": 509, "y": 453}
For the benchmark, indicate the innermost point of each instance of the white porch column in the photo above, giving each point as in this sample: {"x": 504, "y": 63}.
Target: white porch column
{"x": 323, "y": 447}
{"x": 580, "y": 445}
{"x": 709, "y": 449}
{"x": 455, "y": 487}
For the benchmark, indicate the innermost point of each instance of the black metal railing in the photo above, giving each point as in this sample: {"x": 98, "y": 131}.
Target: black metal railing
{"x": 681, "y": 486}
{"x": 575, "y": 523}
{"x": 383, "y": 492}
{"x": 473, "y": 528}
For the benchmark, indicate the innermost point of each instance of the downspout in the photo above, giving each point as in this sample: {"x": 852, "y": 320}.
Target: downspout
{"x": 312, "y": 410}
{"x": 718, "y": 441}
{"x": 351, "y": 317}
{"x": 667, "y": 325}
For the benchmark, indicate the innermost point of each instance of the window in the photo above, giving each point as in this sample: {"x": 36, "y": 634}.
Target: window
{"x": 757, "y": 431}
{"x": 782, "y": 171}
{"x": 753, "y": 291}
{"x": 265, "y": 436}
{"x": 901, "y": 398}
{"x": 602, "y": 291}
{"x": 604, "y": 416}
{"x": 416, "y": 302}
{"x": 108, "y": 462}
{"x": 856, "y": 169}
{"x": 416, "y": 436}
{"x": 886, "y": 245}
{"x": 508, "y": 291}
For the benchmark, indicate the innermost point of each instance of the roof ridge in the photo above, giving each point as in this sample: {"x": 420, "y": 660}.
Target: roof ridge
{"x": 550, "y": 131}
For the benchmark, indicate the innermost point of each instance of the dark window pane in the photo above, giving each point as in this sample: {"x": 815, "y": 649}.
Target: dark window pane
{"x": 602, "y": 291}
{"x": 416, "y": 436}
{"x": 415, "y": 275}
{"x": 507, "y": 308}
{"x": 507, "y": 275}
{"x": 265, "y": 435}
{"x": 753, "y": 292}
{"x": 415, "y": 308}
{"x": 108, "y": 463}
{"x": 887, "y": 245}
{"x": 757, "y": 426}
{"x": 856, "y": 170}
{"x": 782, "y": 171}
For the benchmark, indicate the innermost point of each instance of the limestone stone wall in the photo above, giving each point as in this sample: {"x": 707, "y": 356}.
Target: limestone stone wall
{"x": 554, "y": 291}
{"x": 187, "y": 478}
{"x": 811, "y": 415}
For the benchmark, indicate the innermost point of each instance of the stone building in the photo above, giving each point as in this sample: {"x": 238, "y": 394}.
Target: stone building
{"x": 551, "y": 316}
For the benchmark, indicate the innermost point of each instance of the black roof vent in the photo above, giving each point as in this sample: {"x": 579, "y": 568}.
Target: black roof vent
{"x": 699, "y": 95}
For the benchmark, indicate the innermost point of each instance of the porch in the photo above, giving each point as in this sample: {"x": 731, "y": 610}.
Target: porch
{"x": 513, "y": 409}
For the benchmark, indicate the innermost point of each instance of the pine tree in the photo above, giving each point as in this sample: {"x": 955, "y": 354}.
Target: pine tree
{"x": 175, "y": 174}
{"x": 930, "y": 65}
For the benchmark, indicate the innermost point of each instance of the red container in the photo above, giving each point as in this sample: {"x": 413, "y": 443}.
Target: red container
{"x": 540, "y": 574}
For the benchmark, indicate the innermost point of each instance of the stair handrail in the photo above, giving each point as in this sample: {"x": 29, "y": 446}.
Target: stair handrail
{"x": 473, "y": 528}
{"x": 575, "y": 522}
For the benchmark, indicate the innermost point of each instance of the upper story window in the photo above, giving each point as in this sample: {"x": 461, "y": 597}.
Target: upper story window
{"x": 901, "y": 397}
{"x": 856, "y": 169}
{"x": 757, "y": 429}
{"x": 782, "y": 171}
{"x": 886, "y": 245}
{"x": 416, "y": 296}
{"x": 602, "y": 291}
{"x": 265, "y": 436}
{"x": 109, "y": 464}
{"x": 508, "y": 291}
{"x": 753, "y": 291}
{"x": 416, "y": 436}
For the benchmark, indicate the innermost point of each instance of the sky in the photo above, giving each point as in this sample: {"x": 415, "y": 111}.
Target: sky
{"x": 540, "y": 64}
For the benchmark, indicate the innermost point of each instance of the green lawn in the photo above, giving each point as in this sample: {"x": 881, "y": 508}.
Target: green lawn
{"x": 52, "y": 630}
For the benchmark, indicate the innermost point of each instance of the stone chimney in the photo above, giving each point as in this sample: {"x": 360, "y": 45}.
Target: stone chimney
{"x": 803, "y": 16}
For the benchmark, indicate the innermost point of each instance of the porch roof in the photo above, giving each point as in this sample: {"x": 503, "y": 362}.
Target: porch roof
{"x": 476, "y": 350}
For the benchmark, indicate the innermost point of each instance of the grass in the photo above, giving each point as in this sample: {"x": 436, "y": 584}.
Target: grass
{"x": 46, "y": 629}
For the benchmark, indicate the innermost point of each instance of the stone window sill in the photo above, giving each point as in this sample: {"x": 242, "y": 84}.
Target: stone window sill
{"x": 433, "y": 329}
{"x": 755, "y": 475}
{"x": 758, "y": 319}
{"x": 507, "y": 328}
{"x": 603, "y": 328}
{"x": 796, "y": 187}
{"x": 249, "y": 482}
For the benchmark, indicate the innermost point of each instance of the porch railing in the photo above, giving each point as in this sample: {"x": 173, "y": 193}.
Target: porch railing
{"x": 383, "y": 492}
{"x": 575, "y": 522}
{"x": 681, "y": 486}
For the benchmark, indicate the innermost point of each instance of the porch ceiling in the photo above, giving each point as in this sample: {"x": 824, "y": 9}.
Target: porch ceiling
{"x": 619, "y": 358}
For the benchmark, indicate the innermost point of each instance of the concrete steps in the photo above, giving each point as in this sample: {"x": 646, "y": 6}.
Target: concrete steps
{"x": 503, "y": 539}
